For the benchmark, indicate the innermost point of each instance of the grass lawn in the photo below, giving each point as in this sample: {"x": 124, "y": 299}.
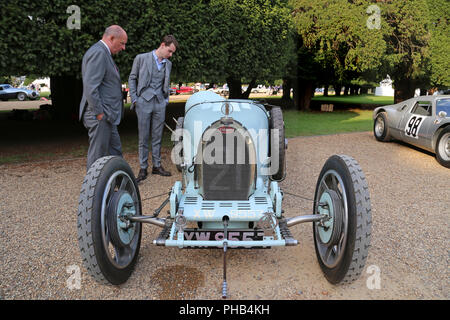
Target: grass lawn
{"x": 299, "y": 123}
{"x": 37, "y": 140}
{"x": 357, "y": 99}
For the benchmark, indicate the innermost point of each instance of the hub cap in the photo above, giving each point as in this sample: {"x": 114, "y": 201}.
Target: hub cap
{"x": 120, "y": 210}
{"x": 326, "y": 228}
{"x": 379, "y": 126}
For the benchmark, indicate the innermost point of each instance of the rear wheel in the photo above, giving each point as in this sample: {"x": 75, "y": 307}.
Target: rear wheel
{"x": 342, "y": 242}
{"x": 443, "y": 147}
{"x": 109, "y": 243}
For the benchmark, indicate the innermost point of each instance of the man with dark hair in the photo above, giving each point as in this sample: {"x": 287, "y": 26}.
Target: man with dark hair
{"x": 101, "y": 106}
{"x": 149, "y": 83}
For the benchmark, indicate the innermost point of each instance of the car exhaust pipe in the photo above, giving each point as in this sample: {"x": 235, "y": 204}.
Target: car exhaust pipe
{"x": 306, "y": 218}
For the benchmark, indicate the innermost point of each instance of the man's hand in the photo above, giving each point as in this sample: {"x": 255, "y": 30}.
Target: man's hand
{"x": 100, "y": 116}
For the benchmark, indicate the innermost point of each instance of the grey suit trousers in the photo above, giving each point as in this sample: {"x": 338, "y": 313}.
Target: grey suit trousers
{"x": 151, "y": 115}
{"x": 104, "y": 139}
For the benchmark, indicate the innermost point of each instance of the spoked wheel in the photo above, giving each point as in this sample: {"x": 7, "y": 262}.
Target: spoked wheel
{"x": 342, "y": 241}
{"x": 108, "y": 241}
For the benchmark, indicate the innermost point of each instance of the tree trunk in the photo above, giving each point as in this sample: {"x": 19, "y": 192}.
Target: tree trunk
{"x": 325, "y": 90}
{"x": 337, "y": 89}
{"x": 346, "y": 90}
{"x": 246, "y": 94}
{"x": 235, "y": 87}
{"x": 287, "y": 86}
{"x": 404, "y": 90}
{"x": 66, "y": 93}
{"x": 303, "y": 93}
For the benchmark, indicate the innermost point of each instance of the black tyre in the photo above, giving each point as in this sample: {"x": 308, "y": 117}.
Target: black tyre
{"x": 109, "y": 251}
{"x": 442, "y": 148}
{"x": 342, "y": 242}
{"x": 381, "y": 128}
{"x": 179, "y": 142}
{"x": 277, "y": 143}
{"x": 21, "y": 96}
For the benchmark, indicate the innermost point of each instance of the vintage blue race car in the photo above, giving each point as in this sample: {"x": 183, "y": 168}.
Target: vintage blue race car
{"x": 9, "y": 92}
{"x": 421, "y": 121}
{"x": 231, "y": 155}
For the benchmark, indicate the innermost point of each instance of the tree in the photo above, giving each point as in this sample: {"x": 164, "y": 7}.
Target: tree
{"x": 440, "y": 43}
{"x": 39, "y": 41}
{"x": 219, "y": 40}
{"x": 408, "y": 36}
{"x": 257, "y": 40}
{"x": 336, "y": 36}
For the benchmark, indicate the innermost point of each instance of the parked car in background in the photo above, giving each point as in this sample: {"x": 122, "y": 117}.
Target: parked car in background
{"x": 182, "y": 90}
{"x": 224, "y": 90}
{"x": 442, "y": 92}
{"x": 421, "y": 121}
{"x": 9, "y": 92}
{"x": 259, "y": 89}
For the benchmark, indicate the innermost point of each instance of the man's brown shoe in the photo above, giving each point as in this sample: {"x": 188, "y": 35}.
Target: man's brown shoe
{"x": 142, "y": 175}
{"x": 161, "y": 171}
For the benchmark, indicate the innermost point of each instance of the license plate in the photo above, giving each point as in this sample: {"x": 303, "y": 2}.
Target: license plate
{"x": 218, "y": 235}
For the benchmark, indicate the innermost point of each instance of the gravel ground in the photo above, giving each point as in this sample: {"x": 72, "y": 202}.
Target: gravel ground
{"x": 410, "y": 198}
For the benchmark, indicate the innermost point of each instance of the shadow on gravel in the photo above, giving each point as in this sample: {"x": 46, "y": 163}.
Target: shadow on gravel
{"x": 24, "y": 139}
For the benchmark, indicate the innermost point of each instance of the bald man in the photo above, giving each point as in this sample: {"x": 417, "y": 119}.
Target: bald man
{"x": 101, "y": 107}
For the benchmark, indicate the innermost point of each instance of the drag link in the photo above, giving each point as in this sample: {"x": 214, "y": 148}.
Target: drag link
{"x": 225, "y": 245}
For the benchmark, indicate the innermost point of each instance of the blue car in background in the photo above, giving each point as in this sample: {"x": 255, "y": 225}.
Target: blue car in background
{"x": 9, "y": 92}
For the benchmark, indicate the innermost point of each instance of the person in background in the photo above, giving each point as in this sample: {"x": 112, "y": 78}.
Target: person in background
{"x": 149, "y": 83}
{"x": 101, "y": 107}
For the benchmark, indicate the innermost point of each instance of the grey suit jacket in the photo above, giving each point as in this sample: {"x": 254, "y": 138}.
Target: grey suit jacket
{"x": 102, "y": 88}
{"x": 141, "y": 74}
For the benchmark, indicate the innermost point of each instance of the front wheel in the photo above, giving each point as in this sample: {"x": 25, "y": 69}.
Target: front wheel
{"x": 21, "y": 96}
{"x": 342, "y": 241}
{"x": 109, "y": 243}
{"x": 381, "y": 128}
{"x": 443, "y": 147}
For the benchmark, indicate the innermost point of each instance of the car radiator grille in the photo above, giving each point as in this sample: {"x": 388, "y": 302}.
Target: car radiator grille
{"x": 232, "y": 175}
